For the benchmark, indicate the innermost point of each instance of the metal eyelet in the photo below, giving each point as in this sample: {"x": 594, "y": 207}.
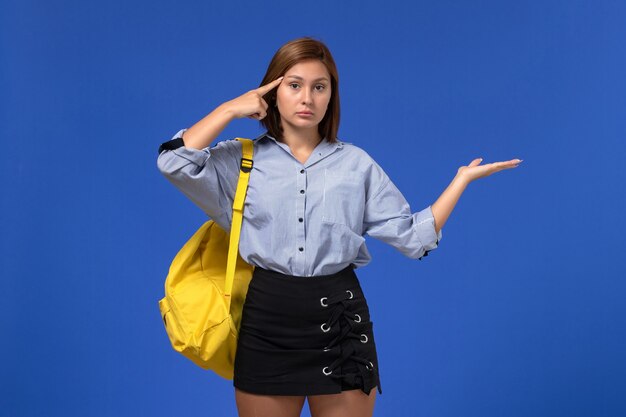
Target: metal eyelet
{"x": 359, "y": 320}
{"x": 327, "y": 329}
{"x": 351, "y": 295}
{"x": 363, "y": 336}
{"x": 370, "y": 367}
{"x": 327, "y": 373}
{"x": 322, "y": 301}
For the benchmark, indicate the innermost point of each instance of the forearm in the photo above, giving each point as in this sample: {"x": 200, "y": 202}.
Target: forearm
{"x": 200, "y": 135}
{"x": 447, "y": 200}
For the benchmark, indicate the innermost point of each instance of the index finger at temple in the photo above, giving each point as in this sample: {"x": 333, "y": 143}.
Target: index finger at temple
{"x": 267, "y": 87}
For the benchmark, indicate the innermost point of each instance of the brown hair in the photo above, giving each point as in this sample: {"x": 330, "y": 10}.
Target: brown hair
{"x": 288, "y": 55}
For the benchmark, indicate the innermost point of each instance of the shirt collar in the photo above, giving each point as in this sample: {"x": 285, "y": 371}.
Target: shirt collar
{"x": 338, "y": 144}
{"x": 323, "y": 149}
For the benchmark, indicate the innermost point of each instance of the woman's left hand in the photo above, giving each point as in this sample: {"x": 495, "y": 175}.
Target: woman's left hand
{"x": 474, "y": 170}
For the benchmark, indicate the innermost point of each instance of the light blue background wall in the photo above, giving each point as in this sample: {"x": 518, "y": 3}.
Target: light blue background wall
{"x": 519, "y": 312}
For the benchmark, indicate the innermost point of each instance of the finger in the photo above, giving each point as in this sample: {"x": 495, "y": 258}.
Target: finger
{"x": 511, "y": 161}
{"x": 264, "y": 89}
{"x": 510, "y": 164}
{"x": 499, "y": 166}
{"x": 475, "y": 162}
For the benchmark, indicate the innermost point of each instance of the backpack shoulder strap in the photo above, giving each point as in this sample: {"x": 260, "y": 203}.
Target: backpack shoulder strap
{"x": 240, "y": 195}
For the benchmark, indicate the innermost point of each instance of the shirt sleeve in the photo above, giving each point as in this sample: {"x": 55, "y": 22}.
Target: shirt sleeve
{"x": 388, "y": 217}
{"x": 208, "y": 177}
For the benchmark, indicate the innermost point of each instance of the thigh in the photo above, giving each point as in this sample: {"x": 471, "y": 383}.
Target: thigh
{"x": 255, "y": 405}
{"x": 351, "y": 403}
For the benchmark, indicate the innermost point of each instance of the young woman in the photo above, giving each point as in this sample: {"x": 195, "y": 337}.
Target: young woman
{"x": 305, "y": 330}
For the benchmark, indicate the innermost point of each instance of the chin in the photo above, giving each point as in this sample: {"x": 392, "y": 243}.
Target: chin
{"x": 305, "y": 123}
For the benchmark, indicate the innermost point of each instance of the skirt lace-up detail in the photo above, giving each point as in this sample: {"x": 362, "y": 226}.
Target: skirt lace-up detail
{"x": 352, "y": 333}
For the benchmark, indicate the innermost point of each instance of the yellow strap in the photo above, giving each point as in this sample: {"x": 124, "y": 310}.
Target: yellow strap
{"x": 235, "y": 229}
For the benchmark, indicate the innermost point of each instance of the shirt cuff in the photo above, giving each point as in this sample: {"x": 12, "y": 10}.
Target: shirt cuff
{"x": 425, "y": 221}
{"x": 176, "y": 145}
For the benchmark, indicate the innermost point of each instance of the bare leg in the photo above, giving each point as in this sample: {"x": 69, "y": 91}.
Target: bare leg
{"x": 352, "y": 403}
{"x": 255, "y": 405}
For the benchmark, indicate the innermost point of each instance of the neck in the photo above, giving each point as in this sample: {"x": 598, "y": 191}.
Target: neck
{"x": 301, "y": 139}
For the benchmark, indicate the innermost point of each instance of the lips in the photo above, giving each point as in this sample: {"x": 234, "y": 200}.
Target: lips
{"x": 304, "y": 112}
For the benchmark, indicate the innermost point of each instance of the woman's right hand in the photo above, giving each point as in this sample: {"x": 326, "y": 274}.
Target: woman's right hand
{"x": 251, "y": 104}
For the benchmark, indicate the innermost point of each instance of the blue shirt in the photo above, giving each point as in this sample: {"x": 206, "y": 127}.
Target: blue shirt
{"x": 301, "y": 219}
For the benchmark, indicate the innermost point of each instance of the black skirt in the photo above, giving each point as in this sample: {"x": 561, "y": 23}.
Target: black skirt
{"x": 305, "y": 336}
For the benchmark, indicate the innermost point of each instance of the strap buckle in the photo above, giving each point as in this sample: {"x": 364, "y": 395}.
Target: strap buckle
{"x": 246, "y": 164}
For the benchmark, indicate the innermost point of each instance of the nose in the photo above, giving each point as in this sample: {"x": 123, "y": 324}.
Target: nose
{"x": 306, "y": 96}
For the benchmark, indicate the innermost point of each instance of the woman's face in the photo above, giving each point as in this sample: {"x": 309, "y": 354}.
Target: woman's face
{"x": 305, "y": 88}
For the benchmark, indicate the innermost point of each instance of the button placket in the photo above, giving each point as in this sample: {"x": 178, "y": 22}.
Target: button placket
{"x": 301, "y": 184}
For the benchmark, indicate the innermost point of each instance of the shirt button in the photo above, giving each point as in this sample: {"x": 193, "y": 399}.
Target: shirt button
{"x": 300, "y": 248}
{"x": 301, "y": 191}
{"x": 301, "y": 171}
{"x": 300, "y": 219}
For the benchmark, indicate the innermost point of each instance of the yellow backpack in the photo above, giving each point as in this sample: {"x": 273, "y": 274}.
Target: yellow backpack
{"x": 206, "y": 287}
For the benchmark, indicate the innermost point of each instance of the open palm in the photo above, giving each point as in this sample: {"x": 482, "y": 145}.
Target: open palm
{"x": 474, "y": 170}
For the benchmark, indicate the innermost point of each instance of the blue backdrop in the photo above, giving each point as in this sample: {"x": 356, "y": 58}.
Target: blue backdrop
{"x": 519, "y": 312}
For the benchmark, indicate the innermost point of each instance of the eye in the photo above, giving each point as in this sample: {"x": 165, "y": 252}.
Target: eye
{"x": 321, "y": 85}
{"x": 292, "y": 84}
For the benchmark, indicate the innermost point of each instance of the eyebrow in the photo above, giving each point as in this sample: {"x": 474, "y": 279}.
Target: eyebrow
{"x": 300, "y": 78}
